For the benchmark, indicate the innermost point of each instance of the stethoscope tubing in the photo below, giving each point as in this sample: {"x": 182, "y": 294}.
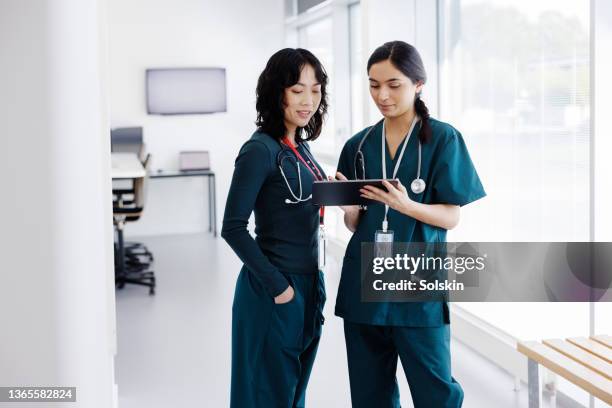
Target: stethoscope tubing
{"x": 417, "y": 186}
{"x": 296, "y": 199}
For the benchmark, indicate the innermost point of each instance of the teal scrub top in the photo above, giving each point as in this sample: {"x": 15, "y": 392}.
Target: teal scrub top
{"x": 450, "y": 178}
{"x": 285, "y": 233}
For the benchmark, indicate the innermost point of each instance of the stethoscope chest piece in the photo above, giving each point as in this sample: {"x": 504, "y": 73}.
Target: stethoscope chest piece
{"x": 417, "y": 186}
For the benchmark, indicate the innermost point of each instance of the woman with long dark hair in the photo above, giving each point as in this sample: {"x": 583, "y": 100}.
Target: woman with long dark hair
{"x": 279, "y": 296}
{"x": 437, "y": 177}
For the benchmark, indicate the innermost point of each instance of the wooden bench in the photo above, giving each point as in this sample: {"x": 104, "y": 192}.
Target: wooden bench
{"x": 586, "y": 362}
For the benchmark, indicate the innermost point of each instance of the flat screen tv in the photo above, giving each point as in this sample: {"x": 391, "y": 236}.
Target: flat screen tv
{"x": 185, "y": 91}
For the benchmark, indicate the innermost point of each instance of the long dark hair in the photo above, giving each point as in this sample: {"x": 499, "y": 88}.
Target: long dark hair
{"x": 406, "y": 58}
{"x": 283, "y": 71}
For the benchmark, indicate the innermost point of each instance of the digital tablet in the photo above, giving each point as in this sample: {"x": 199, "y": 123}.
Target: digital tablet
{"x": 345, "y": 192}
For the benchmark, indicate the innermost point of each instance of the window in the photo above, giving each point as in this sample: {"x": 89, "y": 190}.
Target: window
{"x": 332, "y": 32}
{"x": 515, "y": 82}
{"x": 317, "y": 38}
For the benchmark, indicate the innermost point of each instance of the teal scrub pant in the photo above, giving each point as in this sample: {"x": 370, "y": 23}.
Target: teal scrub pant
{"x": 274, "y": 346}
{"x": 372, "y": 353}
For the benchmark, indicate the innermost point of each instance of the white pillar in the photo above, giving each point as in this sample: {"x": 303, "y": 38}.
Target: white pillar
{"x": 57, "y": 305}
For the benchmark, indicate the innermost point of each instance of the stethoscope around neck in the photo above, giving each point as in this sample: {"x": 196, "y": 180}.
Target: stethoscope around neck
{"x": 418, "y": 184}
{"x": 283, "y": 155}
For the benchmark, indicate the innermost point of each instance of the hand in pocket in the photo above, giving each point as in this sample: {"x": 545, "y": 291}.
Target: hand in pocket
{"x": 285, "y": 297}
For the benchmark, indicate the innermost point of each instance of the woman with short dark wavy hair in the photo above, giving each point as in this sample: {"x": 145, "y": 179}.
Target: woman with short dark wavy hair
{"x": 278, "y": 302}
{"x": 282, "y": 72}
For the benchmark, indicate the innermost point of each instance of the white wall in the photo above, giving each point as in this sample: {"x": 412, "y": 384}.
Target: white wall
{"x": 56, "y": 277}
{"x": 238, "y": 35}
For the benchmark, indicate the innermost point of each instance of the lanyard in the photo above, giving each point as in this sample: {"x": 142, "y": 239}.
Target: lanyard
{"x": 397, "y": 164}
{"x": 317, "y": 176}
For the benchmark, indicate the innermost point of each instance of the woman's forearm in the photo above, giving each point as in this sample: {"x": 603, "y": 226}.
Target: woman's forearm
{"x": 440, "y": 215}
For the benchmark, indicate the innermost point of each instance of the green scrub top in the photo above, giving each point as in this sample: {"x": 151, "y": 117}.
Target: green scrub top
{"x": 286, "y": 233}
{"x": 450, "y": 178}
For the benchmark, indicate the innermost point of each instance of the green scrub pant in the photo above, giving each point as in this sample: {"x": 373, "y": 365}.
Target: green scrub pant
{"x": 372, "y": 353}
{"x": 274, "y": 346}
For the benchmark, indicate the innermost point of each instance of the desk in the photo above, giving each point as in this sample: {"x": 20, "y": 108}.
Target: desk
{"x": 212, "y": 190}
{"x": 126, "y": 166}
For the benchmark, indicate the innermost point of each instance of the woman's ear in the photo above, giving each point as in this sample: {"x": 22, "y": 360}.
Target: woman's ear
{"x": 419, "y": 88}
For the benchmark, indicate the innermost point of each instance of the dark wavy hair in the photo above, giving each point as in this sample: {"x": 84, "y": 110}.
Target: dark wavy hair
{"x": 407, "y": 59}
{"x": 283, "y": 71}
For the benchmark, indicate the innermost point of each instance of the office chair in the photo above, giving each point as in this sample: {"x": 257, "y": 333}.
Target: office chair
{"x": 132, "y": 262}
{"x": 137, "y": 254}
{"x": 128, "y": 140}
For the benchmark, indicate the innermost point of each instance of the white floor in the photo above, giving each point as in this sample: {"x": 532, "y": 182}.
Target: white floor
{"x": 174, "y": 347}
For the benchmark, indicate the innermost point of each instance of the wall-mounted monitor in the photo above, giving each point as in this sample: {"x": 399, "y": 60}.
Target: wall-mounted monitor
{"x": 185, "y": 91}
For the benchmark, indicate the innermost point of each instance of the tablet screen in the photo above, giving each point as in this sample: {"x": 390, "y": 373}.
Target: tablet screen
{"x": 345, "y": 192}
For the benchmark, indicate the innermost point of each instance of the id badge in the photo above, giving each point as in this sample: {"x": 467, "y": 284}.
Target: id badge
{"x": 322, "y": 246}
{"x": 383, "y": 244}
